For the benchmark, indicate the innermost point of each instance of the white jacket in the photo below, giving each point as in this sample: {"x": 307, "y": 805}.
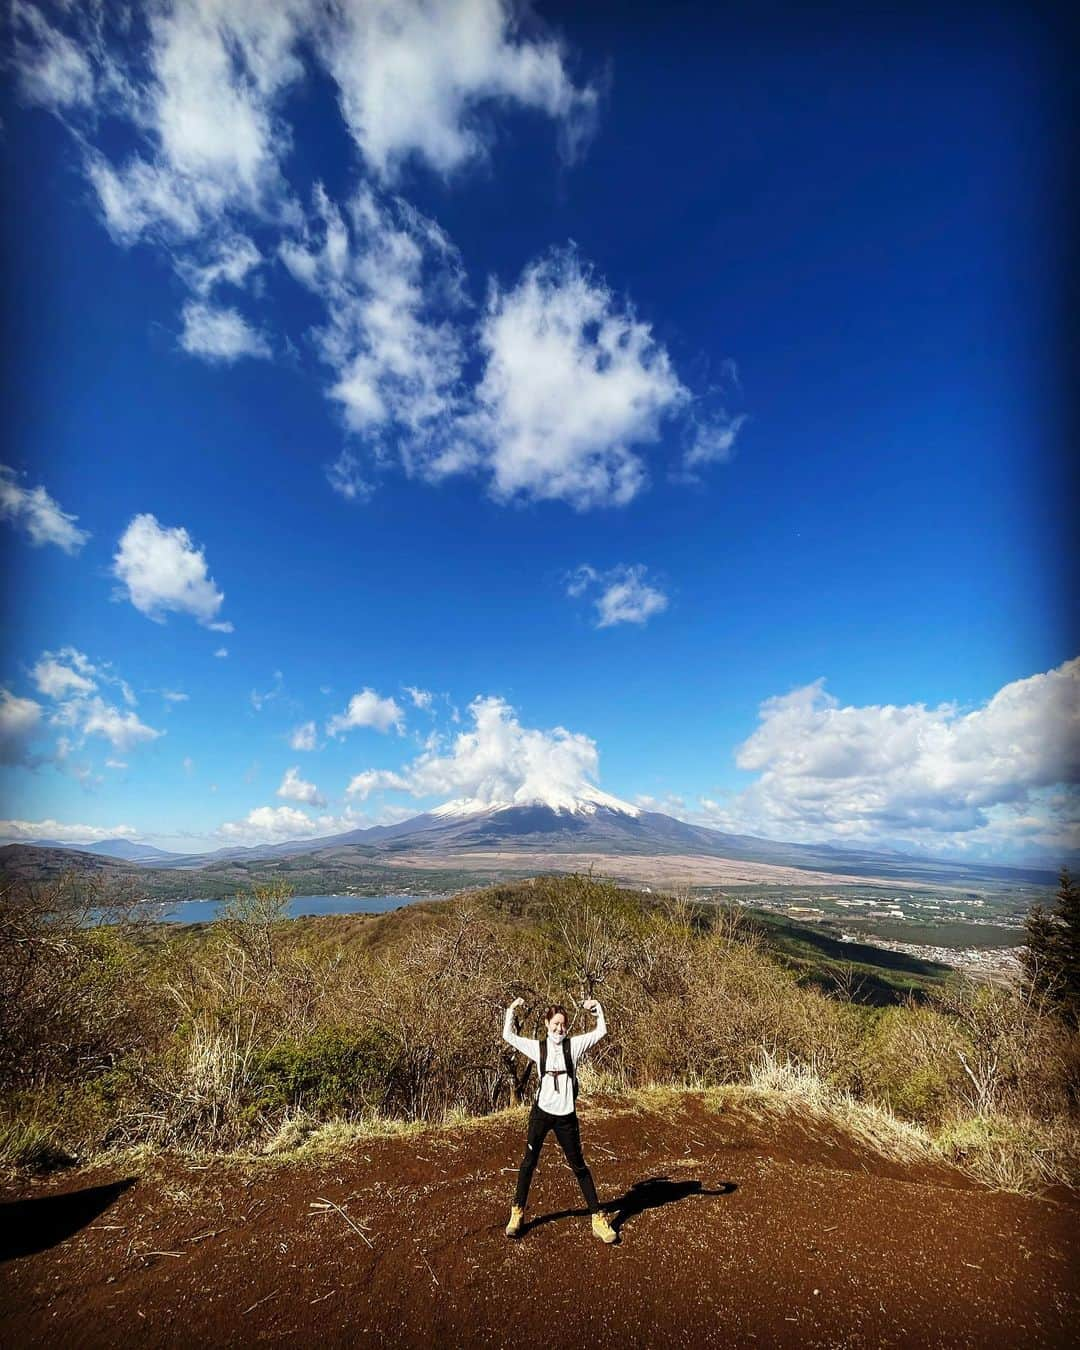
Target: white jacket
{"x": 556, "y": 1095}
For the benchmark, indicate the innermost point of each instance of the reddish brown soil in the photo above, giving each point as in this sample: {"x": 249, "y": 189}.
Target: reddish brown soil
{"x": 734, "y": 1230}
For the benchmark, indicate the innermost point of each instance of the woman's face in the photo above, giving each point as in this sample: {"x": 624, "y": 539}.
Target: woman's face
{"x": 557, "y": 1024}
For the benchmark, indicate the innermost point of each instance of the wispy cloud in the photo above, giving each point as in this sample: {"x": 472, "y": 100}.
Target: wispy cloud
{"x": 22, "y": 831}
{"x": 38, "y": 514}
{"x": 619, "y": 595}
{"x": 304, "y": 737}
{"x": 220, "y": 334}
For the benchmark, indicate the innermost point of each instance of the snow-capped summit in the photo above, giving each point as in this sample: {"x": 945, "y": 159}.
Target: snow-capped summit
{"x": 585, "y": 800}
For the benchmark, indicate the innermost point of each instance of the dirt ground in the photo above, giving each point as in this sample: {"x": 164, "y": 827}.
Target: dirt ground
{"x": 737, "y": 1226}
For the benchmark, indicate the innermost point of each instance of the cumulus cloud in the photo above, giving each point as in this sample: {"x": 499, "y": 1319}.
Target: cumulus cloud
{"x": 620, "y": 595}
{"x": 164, "y": 572}
{"x": 293, "y": 788}
{"x": 362, "y": 785}
{"x": 73, "y": 682}
{"x": 421, "y": 698}
{"x": 20, "y": 720}
{"x": 573, "y": 384}
{"x": 277, "y": 824}
{"x": 932, "y": 776}
{"x": 63, "y": 673}
{"x": 304, "y": 737}
{"x": 367, "y": 709}
{"x": 496, "y": 761}
{"x": 23, "y": 831}
{"x": 35, "y": 512}
{"x": 94, "y": 717}
{"x": 220, "y": 334}
{"x": 269, "y": 824}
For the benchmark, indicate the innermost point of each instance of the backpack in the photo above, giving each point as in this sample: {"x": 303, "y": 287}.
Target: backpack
{"x": 571, "y": 1067}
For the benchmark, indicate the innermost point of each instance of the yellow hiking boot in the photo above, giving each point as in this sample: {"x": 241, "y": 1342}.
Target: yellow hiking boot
{"x": 602, "y": 1229}
{"x": 517, "y": 1221}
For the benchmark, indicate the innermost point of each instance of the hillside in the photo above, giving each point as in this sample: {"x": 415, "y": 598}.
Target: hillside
{"x": 743, "y": 1218}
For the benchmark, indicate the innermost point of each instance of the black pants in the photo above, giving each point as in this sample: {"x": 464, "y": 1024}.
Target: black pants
{"x": 568, "y": 1134}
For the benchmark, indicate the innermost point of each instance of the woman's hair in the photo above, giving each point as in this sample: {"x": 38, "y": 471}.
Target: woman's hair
{"x": 552, "y": 1009}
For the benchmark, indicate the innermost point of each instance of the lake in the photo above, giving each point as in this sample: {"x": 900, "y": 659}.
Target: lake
{"x": 206, "y": 911}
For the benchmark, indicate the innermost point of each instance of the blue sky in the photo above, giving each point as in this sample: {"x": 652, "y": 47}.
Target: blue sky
{"x": 673, "y": 401}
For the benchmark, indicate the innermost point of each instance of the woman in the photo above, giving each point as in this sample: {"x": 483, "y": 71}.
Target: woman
{"x": 556, "y": 1061}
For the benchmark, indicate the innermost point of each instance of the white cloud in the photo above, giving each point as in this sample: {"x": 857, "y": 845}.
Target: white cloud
{"x": 362, "y": 785}
{"x": 187, "y": 764}
{"x": 51, "y": 68}
{"x": 711, "y": 441}
{"x": 230, "y": 261}
{"x": 421, "y": 698}
{"x": 164, "y": 571}
{"x": 220, "y": 334}
{"x": 620, "y": 595}
{"x": 390, "y": 281}
{"x": 269, "y": 824}
{"x": 20, "y": 719}
{"x": 304, "y": 737}
{"x": 346, "y": 476}
{"x": 23, "y": 831}
{"x": 222, "y": 653}
{"x": 69, "y": 673}
{"x": 71, "y": 680}
{"x": 411, "y": 74}
{"x": 498, "y": 760}
{"x": 56, "y": 678}
{"x": 294, "y": 789}
{"x": 932, "y": 777}
{"x": 367, "y": 709}
{"x": 116, "y": 764}
{"x": 572, "y": 383}
{"x": 33, "y": 510}
{"x": 174, "y": 696}
{"x": 95, "y": 717}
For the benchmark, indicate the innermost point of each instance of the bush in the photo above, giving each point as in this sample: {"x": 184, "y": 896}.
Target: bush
{"x": 332, "y": 1072}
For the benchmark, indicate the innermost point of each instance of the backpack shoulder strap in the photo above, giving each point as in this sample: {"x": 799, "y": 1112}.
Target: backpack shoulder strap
{"x": 571, "y": 1068}
{"x": 542, "y": 1042}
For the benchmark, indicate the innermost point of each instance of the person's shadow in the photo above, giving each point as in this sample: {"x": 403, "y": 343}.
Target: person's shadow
{"x": 654, "y": 1192}
{"x": 651, "y": 1193}
{"x": 28, "y": 1226}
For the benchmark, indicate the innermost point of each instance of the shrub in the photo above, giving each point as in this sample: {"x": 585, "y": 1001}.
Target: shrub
{"x": 331, "y": 1072}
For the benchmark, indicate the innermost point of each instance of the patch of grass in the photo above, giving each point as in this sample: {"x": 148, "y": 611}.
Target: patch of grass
{"x": 1011, "y": 1153}
{"x": 27, "y": 1146}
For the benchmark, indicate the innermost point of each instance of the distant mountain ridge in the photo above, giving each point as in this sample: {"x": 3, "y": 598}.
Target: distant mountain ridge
{"x": 581, "y": 821}
{"x": 127, "y": 849}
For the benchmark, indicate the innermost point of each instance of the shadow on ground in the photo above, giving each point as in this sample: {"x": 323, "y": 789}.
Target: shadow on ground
{"x": 28, "y": 1226}
{"x": 651, "y": 1193}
